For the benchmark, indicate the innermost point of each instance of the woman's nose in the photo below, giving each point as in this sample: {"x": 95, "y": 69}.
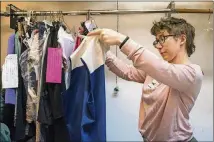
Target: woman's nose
{"x": 158, "y": 46}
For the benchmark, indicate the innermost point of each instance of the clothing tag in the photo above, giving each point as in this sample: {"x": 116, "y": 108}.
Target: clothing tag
{"x": 90, "y": 25}
{"x": 10, "y": 72}
{"x": 54, "y": 65}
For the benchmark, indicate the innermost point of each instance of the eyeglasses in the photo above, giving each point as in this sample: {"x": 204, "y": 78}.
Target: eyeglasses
{"x": 161, "y": 40}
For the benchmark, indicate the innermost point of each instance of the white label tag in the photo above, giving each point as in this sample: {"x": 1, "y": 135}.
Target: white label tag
{"x": 90, "y": 25}
{"x": 10, "y": 72}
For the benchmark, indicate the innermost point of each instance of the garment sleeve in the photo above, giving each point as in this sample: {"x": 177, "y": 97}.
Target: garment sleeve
{"x": 177, "y": 76}
{"x": 123, "y": 70}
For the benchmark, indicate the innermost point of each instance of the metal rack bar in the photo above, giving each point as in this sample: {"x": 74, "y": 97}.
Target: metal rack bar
{"x": 106, "y": 12}
{"x": 13, "y": 12}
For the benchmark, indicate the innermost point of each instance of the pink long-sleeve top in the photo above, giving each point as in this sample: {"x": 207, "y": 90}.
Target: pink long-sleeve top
{"x": 168, "y": 95}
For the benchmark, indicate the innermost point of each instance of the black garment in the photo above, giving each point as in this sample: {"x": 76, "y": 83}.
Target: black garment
{"x": 30, "y": 133}
{"x": 2, "y": 103}
{"x": 55, "y": 89}
{"x": 7, "y": 114}
{"x": 51, "y": 114}
{"x": 51, "y": 92}
{"x": 56, "y": 132}
{"x": 8, "y": 119}
{"x": 21, "y": 109}
{"x": 44, "y": 113}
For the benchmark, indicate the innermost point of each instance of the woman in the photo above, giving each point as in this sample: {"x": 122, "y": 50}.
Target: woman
{"x": 171, "y": 86}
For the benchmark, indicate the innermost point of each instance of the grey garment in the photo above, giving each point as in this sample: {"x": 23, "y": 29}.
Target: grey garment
{"x": 29, "y": 62}
{"x": 24, "y": 70}
{"x": 5, "y": 133}
{"x": 67, "y": 72}
{"x": 17, "y": 45}
{"x": 34, "y": 57}
{"x": 28, "y": 76}
{"x": 35, "y": 44}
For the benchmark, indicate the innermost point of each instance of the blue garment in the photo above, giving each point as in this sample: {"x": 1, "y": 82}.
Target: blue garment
{"x": 11, "y": 44}
{"x": 10, "y": 93}
{"x": 85, "y": 100}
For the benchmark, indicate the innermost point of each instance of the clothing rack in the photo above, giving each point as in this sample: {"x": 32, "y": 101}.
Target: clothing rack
{"x": 13, "y": 12}
{"x": 170, "y": 9}
{"x": 105, "y": 12}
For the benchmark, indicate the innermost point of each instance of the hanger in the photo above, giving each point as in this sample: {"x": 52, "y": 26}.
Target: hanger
{"x": 28, "y": 17}
{"x": 47, "y": 22}
{"x": 88, "y": 16}
{"x": 89, "y": 24}
{"x": 20, "y": 26}
{"x": 93, "y": 24}
{"x": 63, "y": 23}
{"x": 26, "y": 23}
{"x": 209, "y": 27}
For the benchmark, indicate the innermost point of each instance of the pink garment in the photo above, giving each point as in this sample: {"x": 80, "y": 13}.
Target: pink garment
{"x": 168, "y": 95}
{"x": 78, "y": 42}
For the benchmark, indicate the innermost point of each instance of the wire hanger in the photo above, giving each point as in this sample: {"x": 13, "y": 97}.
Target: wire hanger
{"x": 88, "y": 15}
{"x": 47, "y": 22}
{"x": 209, "y": 27}
{"x": 63, "y": 22}
{"x": 33, "y": 17}
{"x": 89, "y": 24}
{"x": 28, "y": 17}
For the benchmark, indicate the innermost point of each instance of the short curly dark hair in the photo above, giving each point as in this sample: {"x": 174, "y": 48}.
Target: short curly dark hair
{"x": 176, "y": 26}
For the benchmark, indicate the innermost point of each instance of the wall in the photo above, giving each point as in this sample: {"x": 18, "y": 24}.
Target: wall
{"x": 122, "y": 111}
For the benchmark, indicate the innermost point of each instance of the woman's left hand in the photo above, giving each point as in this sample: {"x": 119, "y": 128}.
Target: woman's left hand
{"x": 108, "y": 36}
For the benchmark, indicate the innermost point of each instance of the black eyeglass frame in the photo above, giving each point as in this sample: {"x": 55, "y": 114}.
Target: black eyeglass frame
{"x": 161, "y": 40}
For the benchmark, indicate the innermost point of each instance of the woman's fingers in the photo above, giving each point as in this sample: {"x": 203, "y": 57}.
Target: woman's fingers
{"x": 95, "y": 32}
{"x": 107, "y": 36}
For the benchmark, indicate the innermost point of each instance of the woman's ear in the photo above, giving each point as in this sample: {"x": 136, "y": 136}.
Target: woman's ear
{"x": 183, "y": 39}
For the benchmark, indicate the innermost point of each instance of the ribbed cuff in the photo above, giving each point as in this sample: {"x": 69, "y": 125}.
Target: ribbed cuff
{"x": 131, "y": 47}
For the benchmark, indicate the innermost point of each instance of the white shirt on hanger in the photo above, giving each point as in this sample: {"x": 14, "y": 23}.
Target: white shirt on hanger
{"x": 67, "y": 42}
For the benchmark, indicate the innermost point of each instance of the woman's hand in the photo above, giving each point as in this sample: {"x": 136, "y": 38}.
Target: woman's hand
{"x": 108, "y": 36}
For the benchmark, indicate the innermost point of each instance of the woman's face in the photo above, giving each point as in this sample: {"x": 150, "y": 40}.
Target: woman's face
{"x": 167, "y": 45}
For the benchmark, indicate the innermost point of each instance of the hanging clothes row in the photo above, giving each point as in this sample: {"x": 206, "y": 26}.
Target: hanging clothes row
{"x": 61, "y": 84}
